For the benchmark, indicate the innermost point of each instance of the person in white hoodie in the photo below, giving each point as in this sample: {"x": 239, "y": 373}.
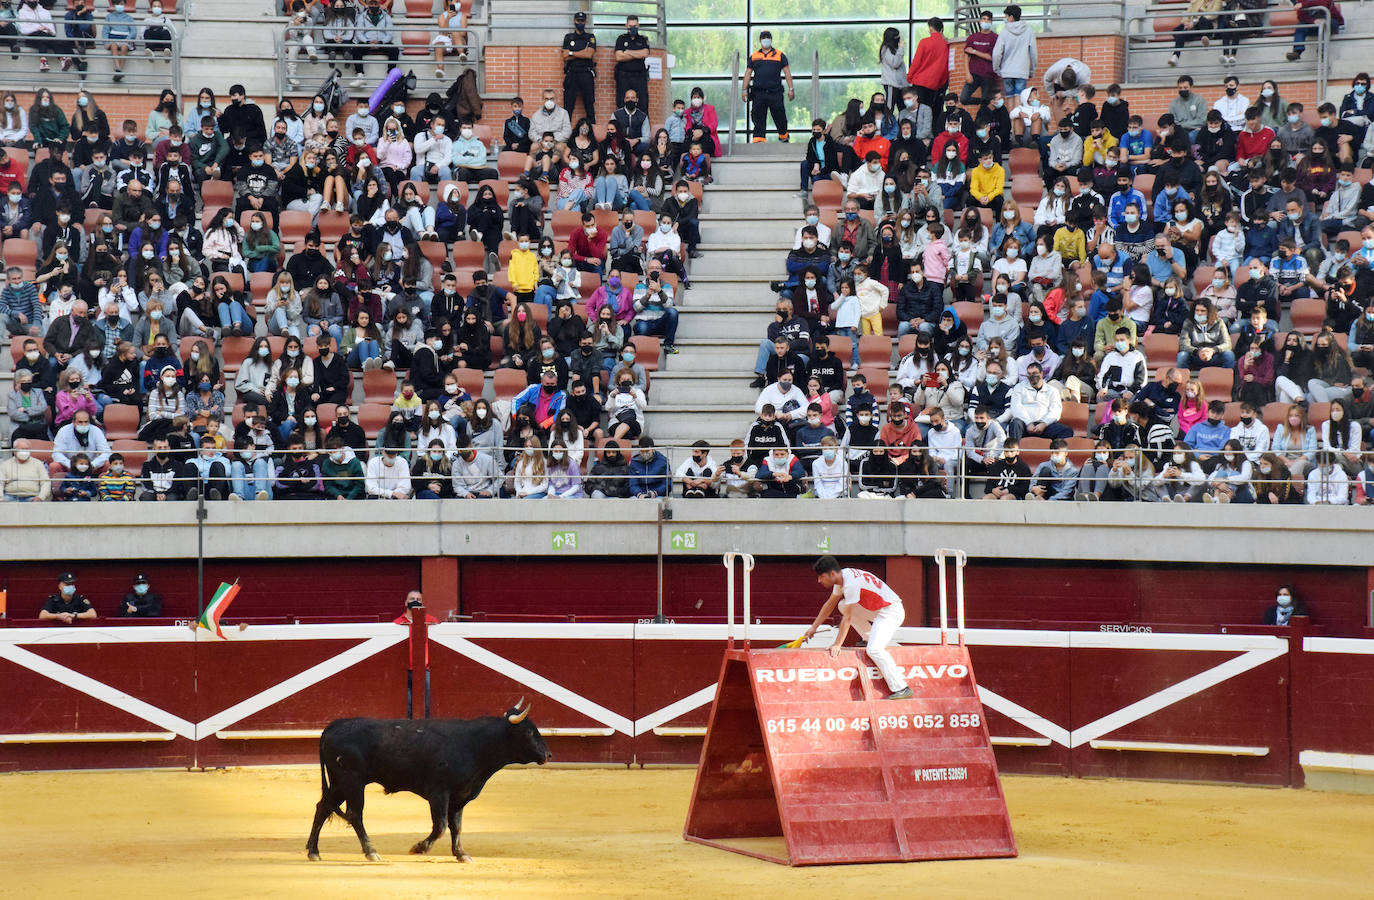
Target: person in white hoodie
{"x": 433, "y": 153}
{"x": 872, "y": 295}
{"x": 387, "y": 477}
{"x": 1013, "y": 56}
{"x": 1251, "y": 432}
{"x": 944, "y": 443}
{"x": 829, "y": 471}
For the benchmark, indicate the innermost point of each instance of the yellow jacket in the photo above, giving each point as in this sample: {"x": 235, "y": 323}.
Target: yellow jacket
{"x": 523, "y": 271}
{"x": 986, "y": 182}
{"x": 1092, "y": 147}
{"x": 1070, "y": 245}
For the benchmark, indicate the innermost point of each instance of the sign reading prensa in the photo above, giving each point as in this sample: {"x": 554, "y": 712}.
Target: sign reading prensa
{"x": 806, "y": 748}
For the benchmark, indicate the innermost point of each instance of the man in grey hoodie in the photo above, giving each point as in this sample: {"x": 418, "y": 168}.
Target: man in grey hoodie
{"x": 1013, "y": 56}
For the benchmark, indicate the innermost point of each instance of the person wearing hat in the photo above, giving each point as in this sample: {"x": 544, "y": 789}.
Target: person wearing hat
{"x": 763, "y": 79}
{"x": 631, "y": 70}
{"x": 66, "y": 605}
{"x": 142, "y": 601}
{"x": 579, "y": 67}
{"x": 545, "y": 397}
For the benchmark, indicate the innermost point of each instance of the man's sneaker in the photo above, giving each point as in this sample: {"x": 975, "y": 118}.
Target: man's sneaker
{"x": 43, "y": 63}
{"x": 1173, "y": 58}
{"x": 669, "y": 348}
{"x": 1293, "y": 55}
{"x": 903, "y": 694}
{"x": 215, "y": 494}
{"x": 759, "y": 382}
{"x": 356, "y": 82}
{"x": 193, "y": 494}
{"x": 1206, "y": 41}
{"x": 263, "y": 495}
{"x": 233, "y": 496}
{"x": 66, "y": 63}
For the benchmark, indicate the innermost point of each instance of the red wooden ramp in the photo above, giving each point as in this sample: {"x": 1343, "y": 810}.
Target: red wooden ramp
{"x": 802, "y": 747}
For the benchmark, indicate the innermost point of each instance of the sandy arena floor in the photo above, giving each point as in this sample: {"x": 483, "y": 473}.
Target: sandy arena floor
{"x": 617, "y": 833}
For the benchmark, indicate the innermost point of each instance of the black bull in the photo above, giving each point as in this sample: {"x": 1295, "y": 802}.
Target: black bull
{"x": 446, "y": 761}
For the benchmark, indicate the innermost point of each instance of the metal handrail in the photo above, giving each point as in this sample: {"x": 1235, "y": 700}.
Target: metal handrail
{"x": 476, "y": 56}
{"x": 815, "y": 85}
{"x": 1140, "y": 37}
{"x": 140, "y": 71}
{"x": 734, "y": 102}
{"x": 1044, "y": 14}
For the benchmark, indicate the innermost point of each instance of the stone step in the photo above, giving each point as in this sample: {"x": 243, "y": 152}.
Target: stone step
{"x": 750, "y": 173}
{"x": 722, "y": 322}
{"x": 732, "y": 232}
{"x": 748, "y": 261}
{"x": 715, "y": 355}
{"x": 692, "y": 386}
{"x": 684, "y": 424}
{"x": 747, "y": 202}
{"x": 748, "y": 298}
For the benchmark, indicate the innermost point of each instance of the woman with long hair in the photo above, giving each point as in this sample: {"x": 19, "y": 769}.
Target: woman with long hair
{"x": 162, "y": 117}
{"x": 1295, "y": 440}
{"x": 284, "y": 309}
{"x": 528, "y": 475}
{"x": 292, "y": 357}
{"x": 323, "y": 309}
{"x": 261, "y": 245}
{"x": 88, "y": 114}
{"x": 521, "y": 338}
{"x": 231, "y": 307}
{"x": 223, "y": 240}
{"x": 564, "y": 476}
{"x": 893, "y": 63}
{"x": 251, "y": 382}
{"x": 432, "y": 475}
{"x": 14, "y": 123}
{"x": 47, "y": 121}
{"x": 1331, "y": 370}
{"x": 361, "y": 344}
{"x": 1341, "y": 437}
{"x": 472, "y": 341}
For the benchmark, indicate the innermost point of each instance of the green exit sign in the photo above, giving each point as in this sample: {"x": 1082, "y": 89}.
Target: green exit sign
{"x": 565, "y": 540}
{"x": 684, "y": 540}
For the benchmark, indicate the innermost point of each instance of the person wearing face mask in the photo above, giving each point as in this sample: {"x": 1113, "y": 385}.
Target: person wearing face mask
{"x": 763, "y": 78}
{"x": 431, "y": 475}
{"x": 1057, "y": 477}
{"x": 1207, "y": 437}
{"x": 579, "y": 67}
{"x": 1286, "y": 606}
{"x": 206, "y": 472}
{"x": 698, "y": 474}
{"x": 1122, "y": 370}
{"x": 67, "y": 606}
{"x": 1339, "y": 211}
{"x": 469, "y": 160}
{"x": 1229, "y": 480}
{"x": 23, "y": 477}
{"x": 825, "y": 158}
{"x": 684, "y": 210}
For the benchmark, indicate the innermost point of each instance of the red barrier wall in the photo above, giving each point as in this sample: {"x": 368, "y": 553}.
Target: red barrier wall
{"x": 1174, "y": 594}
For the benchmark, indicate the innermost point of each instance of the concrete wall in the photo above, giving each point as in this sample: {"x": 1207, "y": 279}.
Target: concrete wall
{"x": 1150, "y": 532}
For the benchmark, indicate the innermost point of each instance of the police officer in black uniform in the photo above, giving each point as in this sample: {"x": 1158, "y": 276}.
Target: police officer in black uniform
{"x": 763, "y": 84}
{"x": 631, "y": 70}
{"x": 579, "y": 67}
{"x": 66, "y": 606}
{"x": 142, "y": 601}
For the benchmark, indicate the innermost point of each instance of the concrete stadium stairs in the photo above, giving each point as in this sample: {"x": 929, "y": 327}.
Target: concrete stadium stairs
{"x": 750, "y": 215}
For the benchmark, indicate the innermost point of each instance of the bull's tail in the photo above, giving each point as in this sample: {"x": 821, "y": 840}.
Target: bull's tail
{"x": 326, "y": 796}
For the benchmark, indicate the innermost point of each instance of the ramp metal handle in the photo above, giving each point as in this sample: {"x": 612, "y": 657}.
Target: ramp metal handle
{"x": 960, "y": 560}
{"x": 747, "y": 559}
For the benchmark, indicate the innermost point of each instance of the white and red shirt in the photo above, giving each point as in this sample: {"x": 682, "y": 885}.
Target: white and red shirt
{"x": 868, "y": 591}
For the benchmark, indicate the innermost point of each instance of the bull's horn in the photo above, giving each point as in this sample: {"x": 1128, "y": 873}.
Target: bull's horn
{"x": 517, "y": 718}
{"x": 519, "y": 703}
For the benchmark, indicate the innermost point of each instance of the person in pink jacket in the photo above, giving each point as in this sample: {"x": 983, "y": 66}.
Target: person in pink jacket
{"x": 929, "y": 71}
{"x": 73, "y": 396}
{"x": 935, "y": 259}
{"x": 615, "y": 295}
{"x": 701, "y": 114}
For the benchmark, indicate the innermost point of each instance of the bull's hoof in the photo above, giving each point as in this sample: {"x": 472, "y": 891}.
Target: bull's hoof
{"x": 313, "y": 856}
{"x": 462, "y": 857}
{"x": 374, "y": 856}
{"x": 420, "y": 848}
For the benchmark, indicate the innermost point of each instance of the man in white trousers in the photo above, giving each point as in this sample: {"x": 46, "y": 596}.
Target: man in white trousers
{"x": 872, "y": 608}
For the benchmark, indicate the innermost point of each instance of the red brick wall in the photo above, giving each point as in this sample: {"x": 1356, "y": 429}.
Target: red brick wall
{"x": 527, "y": 71}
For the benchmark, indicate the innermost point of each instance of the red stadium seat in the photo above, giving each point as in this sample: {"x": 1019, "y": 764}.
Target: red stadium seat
{"x": 121, "y": 421}
{"x": 647, "y": 350}
{"x": 471, "y": 380}
{"x": 508, "y": 382}
{"x": 875, "y": 350}
{"x": 1217, "y": 382}
{"x": 510, "y": 163}
{"x": 372, "y": 417}
{"x": 379, "y": 386}
{"x": 469, "y": 255}
{"x": 1308, "y": 315}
